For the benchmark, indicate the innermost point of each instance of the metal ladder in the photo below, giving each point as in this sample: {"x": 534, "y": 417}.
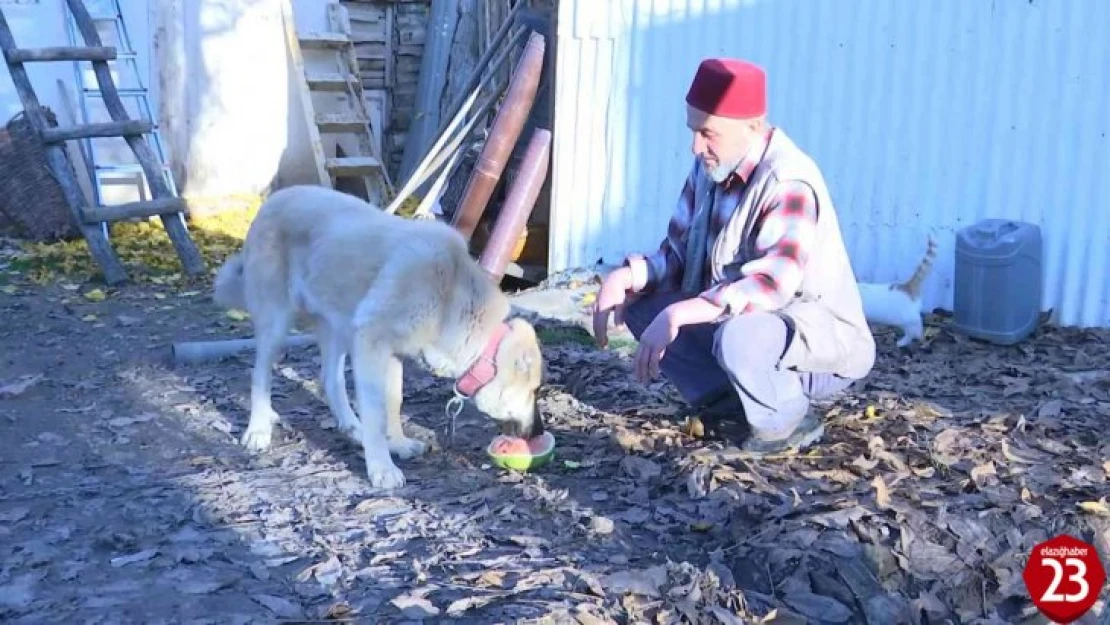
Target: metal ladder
{"x": 92, "y": 219}
{"x": 103, "y": 173}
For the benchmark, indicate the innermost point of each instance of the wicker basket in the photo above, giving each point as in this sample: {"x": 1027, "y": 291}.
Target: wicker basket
{"x": 31, "y": 199}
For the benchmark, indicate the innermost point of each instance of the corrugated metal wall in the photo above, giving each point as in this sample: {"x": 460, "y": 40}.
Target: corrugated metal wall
{"x": 923, "y": 115}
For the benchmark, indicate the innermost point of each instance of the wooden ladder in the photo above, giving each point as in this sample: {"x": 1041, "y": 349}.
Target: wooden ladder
{"x": 164, "y": 203}
{"x": 357, "y": 154}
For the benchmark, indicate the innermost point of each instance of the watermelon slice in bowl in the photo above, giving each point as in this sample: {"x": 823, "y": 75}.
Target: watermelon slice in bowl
{"x": 519, "y": 454}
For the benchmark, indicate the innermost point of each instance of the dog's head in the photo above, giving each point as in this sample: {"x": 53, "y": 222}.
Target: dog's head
{"x": 510, "y": 397}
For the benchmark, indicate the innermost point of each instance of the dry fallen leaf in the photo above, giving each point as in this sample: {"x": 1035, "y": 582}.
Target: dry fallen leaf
{"x": 413, "y": 604}
{"x": 95, "y": 295}
{"x": 1095, "y": 507}
{"x": 783, "y": 617}
{"x": 141, "y": 556}
{"x": 984, "y": 474}
{"x": 460, "y": 606}
{"x": 646, "y": 582}
{"x": 1024, "y": 457}
{"x": 280, "y": 607}
{"x": 658, "y": 411}
{"x": 326, "y": 572}
{"x": 339, "y": 611}
{"x": 1051, "y": 408}
{"x": 493, "y": 578}
{"x": 882, "y": 494}
{"x": 930, "y": 560}
{"x": 818, "y": 607}
{"x": 19, "y": 387}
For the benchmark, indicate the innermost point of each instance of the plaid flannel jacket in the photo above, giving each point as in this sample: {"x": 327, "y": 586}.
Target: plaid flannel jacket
{"x": 786, "y": 227}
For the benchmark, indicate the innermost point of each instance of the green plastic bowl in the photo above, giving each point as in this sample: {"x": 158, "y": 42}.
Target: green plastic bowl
{"x": 523, "y": 462}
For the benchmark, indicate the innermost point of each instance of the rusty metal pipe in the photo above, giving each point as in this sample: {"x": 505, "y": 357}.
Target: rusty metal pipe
{"x": 502, "y": 137}
{"x": 483, "y": 63}
{"x": 449, "y": 151}
{"x": 427, "y": 166}
{"x": 518, "y": 205}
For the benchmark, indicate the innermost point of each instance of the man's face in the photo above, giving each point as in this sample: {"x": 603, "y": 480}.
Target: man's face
{"x": 720, "y": 142}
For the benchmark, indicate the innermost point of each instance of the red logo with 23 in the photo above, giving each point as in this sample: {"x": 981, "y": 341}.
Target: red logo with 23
{"x": 1064, "y": 577}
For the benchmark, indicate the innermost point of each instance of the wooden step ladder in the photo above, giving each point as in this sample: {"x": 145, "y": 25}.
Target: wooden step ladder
{"x": 347, "y": 119}
{"x": 164, "y": 203}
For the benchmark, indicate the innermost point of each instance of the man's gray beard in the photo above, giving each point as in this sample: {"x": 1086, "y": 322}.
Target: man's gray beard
{"x": 719, "y": 173}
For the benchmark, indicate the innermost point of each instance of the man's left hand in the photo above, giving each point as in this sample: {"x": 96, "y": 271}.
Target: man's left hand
{"x": 653, "y": 344}
{"x": 664, "y": 329}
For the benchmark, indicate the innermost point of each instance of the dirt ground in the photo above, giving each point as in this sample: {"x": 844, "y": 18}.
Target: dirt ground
{"x": 125, "y": 498}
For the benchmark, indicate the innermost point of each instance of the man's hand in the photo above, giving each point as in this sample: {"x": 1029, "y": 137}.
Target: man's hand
{"x": 611, "y": 298}
{"x": 664, "y": 330}
{"x": 653, "y": 345}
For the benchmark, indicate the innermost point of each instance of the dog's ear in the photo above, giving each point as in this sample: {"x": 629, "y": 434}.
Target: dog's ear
{"x": 525, "y": 362}
{"x": 528, "y": 357}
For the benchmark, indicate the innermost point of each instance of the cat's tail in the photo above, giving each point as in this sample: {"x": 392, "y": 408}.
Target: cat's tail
{"x": 912, "y": 287}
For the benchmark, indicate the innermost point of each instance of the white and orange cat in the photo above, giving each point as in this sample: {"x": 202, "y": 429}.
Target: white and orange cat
{"x": 899, "y": 304}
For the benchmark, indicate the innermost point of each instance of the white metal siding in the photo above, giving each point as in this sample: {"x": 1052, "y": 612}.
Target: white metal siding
{"x": 923, "y": 115}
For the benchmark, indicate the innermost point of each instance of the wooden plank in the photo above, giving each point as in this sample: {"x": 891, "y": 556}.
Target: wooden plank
{"x": 353, "y": 166}
{"x": 389, "y": 52}
{"x": 174, "y": 224}
{"x": 320, "y": 81}
{"x": 144, "y": 208}
{"x": 88, "y": 131}
{"x": 372, "y": 52}
{"x": 303, "y": 94}
{"x": 340, "y": 122}
{"x": 32, "y": 55}
{"x": 322, "y": 41}
{"x": 359, "y": 13}
{"x": 375, "y": 104}
{"x": 99, "y": 246}
{"x": 374, "y": 83}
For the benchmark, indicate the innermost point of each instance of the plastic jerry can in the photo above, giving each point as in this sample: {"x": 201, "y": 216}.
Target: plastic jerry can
{"x": 998, "y": 280}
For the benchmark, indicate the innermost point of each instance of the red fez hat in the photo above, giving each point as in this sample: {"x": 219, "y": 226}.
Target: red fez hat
{"x": 729, "y": 88}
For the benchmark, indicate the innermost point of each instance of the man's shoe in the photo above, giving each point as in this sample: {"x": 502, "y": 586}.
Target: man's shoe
{"x": 809, "y": 431}
{"x": 722, "y": 418}
{"x": 719, "y": 418}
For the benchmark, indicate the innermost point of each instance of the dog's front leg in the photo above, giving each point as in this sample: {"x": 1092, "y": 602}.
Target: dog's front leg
{"x": 371, "y": 368}
{"x": 399, "y": 444}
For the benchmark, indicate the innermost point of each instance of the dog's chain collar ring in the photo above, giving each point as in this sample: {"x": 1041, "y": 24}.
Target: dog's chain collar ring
{"x": 455, "y": 404}
{"x": 453, "y": 409}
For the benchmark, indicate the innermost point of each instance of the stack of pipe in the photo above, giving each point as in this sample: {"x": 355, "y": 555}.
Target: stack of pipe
{"x": 504, "y": 134}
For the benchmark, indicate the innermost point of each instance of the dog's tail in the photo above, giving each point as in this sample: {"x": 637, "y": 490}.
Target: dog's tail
{"x": 912, "y": 287}
{"x": 228, "y": 289}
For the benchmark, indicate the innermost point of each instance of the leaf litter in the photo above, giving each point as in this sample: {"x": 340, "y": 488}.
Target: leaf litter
{"x": 936, "y": 476}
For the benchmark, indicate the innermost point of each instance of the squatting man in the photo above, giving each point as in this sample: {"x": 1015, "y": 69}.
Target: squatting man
{"x": 749, "y": 306}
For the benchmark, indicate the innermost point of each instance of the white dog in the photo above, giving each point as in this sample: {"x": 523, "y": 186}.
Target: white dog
{"x": 379, "y": 287}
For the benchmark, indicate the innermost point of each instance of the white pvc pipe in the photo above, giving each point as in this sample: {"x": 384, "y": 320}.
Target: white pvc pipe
{"x": 196, "y": 352}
